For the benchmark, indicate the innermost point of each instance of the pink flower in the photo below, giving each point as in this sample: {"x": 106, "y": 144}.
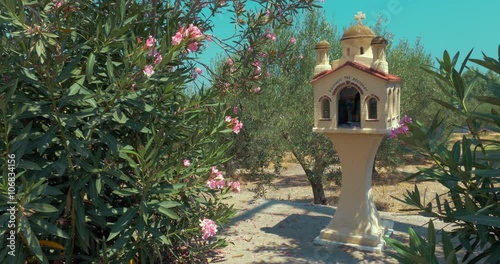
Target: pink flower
{"x": 406, "y": 120}
{"x": 402, "y": 129}
{"x": 216, "y": 174}
{"x": 301, "y": 56}
{"x": 229, "y": 62}
{"x": 158, "y": 58}
{"x": 235, "y": 186}
{"x": 148, "y": 70}
{"x": 176, "y": 39}
{"x": 236, "y": 110}
{"x": 57, "y": 3}
{"x": 257, "y": 63}
{"x": 268, "y": 74}
{"x": 228, "y": 119}
{"x": 250, "y": 49}
{"x": 262, "y": 54}
{"x": 257, "y": 70}
{"x": 198, "y": 71}
{"x": 214, "y": 170}
{"x": 269, "y": 35}
{"x": 193, "y": 32}
{"x": 193, "y": 47}
{"x": 215, "y": 184}
{"x": 150, "y": 42}
{"x": 186, "y": 163}
{"x": 237, "y": 127}
{"x": 208, "y": 228}
{"x": 293, "y": 40}
{"x": 393, "y": 134}
{"x": 256, "y": 89}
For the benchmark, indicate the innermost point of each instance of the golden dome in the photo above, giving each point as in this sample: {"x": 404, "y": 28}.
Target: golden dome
{"x": 322, "y": 45}
{"x": 358, "y": 31}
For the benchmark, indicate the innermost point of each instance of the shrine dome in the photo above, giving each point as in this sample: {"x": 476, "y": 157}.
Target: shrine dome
{"x": 358, "y": 31}
{"x": 322, "y": 45}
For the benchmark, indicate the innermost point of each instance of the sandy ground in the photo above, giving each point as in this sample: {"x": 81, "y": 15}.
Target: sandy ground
{"x": 282, "y": 230}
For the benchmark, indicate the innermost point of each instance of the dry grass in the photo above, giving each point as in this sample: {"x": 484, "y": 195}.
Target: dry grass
{"x": 292, "y": 184}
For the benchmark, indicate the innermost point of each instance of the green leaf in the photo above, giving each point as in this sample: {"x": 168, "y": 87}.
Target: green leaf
{"x": 449, "y": 251}
{"x": 169, "y": 204}
{"x": 404, "y": 252}
{"x": 90, "y": 67}
{"x": 28, "y": 165}
{"x": 41, "y": 207}
{"x": 44, "y": 142}
{"x": 159, "y": 236}
{"x": 19, "y": 144}
{"x": 431, "y": 238}
{"x": 481, "y": 219}
{"x": 494, "y": 173}
{"x": 121, "y": 224}
{"x": 169, "y": 213}
{"x": 126, "y": 192}
{"x": 489, "y": 99}
{"x": 30, "y": 239}
{"x": 68, "y": 68}
{"x": 466, "y": 154}
{"x": 109, "y": 67}
{"x": 48, "y": 228}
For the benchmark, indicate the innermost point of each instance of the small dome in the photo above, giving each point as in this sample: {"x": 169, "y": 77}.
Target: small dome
{"x": 379, "y": 40}
{"x": 358, "y": 31}
{"x": 322, "y": 45}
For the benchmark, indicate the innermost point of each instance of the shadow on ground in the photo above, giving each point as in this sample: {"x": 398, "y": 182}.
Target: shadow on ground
{"x": 271, "y": 231}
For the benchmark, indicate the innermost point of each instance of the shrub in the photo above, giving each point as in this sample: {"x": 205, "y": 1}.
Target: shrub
{"x": 469, "y": 169}
{"x": 114, "y": 161}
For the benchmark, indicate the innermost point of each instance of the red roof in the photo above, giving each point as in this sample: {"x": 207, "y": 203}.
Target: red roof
{"x": 361, "y": 67}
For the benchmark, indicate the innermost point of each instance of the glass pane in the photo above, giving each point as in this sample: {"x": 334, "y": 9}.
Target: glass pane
{"x": 372, "y": 108}
{"x": 325, "y": 108}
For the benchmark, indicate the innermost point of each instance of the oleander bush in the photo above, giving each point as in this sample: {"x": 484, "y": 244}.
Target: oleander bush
{"x": 469, "y": 169}
{"x": 116, "y": 159}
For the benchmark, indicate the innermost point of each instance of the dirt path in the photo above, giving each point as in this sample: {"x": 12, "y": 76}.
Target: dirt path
{"x": 281, "y": 230}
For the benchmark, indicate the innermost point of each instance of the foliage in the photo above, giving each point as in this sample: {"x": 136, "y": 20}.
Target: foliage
{"x": 469, "y": 169}
{"x": 278, "y": 118}
{"x": 112, "y": 157}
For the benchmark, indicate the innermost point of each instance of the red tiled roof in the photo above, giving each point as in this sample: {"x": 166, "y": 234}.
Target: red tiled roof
{"x": 361, "y": 67}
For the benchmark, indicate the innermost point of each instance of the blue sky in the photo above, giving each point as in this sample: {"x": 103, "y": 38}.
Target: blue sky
{"x": 457, "y": 25}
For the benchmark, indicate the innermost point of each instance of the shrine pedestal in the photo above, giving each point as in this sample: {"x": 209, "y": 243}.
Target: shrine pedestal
{"x": 356, "y": 221}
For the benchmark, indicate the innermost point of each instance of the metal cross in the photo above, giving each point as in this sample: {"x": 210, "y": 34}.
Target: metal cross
{"x": 359, "y": 16}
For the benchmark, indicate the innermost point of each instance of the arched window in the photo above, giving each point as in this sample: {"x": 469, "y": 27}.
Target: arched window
{"x": 349, "y": 107}
{"x": 398, "y": 102}
{"x": 361, "y": 50}
{"x": 325, "y": 108}
{"x": 389, "y": 105}
{"x": 372, "y": 108}
{"x": 394, "y": 105}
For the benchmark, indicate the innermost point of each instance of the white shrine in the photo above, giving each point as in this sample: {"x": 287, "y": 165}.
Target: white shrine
{"x": 356, "y": 103}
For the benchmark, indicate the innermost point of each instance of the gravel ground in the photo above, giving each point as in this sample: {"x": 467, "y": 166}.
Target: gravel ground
{"x": 272, "y": 231}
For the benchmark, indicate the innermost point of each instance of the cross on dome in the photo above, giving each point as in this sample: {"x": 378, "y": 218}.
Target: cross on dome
{"x": 359, "y": 16}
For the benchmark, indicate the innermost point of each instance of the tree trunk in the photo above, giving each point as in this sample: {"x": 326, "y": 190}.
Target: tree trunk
{"x": 316, "y": 184}
{"x": 318, "y": 192}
